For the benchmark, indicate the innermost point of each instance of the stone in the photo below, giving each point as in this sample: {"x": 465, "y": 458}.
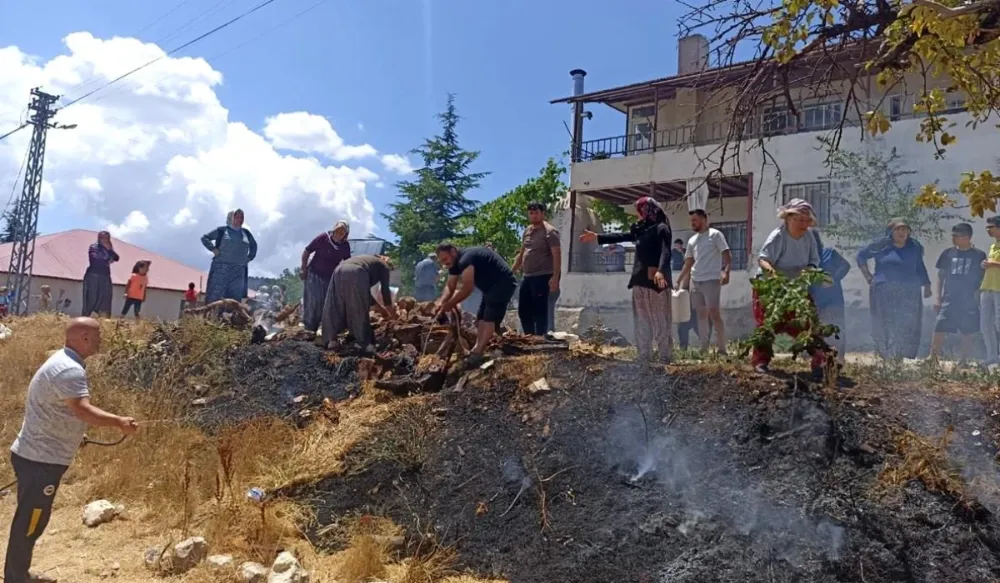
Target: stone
{"x": 151, "y": 558}
{"x": 286, "y": 569}
{"x": 220, "y": 562}
{"x": 539, "y": 386}
{"x": 253, "y": 573}
{"x": 99, "y": 512}
{"x": 187, "y": 555}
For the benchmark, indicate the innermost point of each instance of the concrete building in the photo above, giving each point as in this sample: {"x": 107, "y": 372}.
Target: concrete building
{"x": 673, "y": 129}
{"x": 61, "y": 260}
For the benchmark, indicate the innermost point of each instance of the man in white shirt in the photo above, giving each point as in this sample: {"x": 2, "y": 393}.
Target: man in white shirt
{"x": 707, "y": 262}
{"x": 57, "y": 412}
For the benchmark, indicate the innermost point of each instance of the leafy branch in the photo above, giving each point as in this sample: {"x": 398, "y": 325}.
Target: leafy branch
{"x": 787, "y": 303}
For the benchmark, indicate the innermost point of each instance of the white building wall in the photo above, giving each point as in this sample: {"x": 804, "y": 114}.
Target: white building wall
{"x": 159, "y": 305}
{"x": 799, "y": 158}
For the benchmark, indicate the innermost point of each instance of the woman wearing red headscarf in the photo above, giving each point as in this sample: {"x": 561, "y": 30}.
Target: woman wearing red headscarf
{"x": 650, "y": 281}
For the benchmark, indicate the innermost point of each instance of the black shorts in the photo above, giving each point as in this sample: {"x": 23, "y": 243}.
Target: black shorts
{"x": 493, "y": 307}
{"x": 954, "y": 320}
{"x": 129, "y": 303}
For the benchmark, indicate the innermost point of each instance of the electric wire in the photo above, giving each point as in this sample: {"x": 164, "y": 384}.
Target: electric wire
{"x": 13, "y": 187}
{"x": 235, "y": 47}
{"x": 171, "y": 52}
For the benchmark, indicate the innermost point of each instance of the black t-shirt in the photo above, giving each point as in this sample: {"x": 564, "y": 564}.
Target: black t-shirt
{"x": 490, "y": 270}
{"x": 963, "y": 273}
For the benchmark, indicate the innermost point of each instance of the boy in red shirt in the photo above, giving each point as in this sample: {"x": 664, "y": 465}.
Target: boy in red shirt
{"x": 191, "y": 296}
{"x": 135, "y": 290}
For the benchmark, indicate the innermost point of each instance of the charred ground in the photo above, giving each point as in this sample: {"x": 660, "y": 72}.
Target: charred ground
{"x": 741, "y": 478}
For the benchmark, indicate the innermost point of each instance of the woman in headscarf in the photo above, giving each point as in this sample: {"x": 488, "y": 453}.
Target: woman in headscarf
{"x": 233, "y": 248}
{"x": 97, "y": 288}
{"x": 327, "y": 250}
{"x": 895, "y": 292}
{"x": 651, "y": 280}
{"x": 788, "y": 250}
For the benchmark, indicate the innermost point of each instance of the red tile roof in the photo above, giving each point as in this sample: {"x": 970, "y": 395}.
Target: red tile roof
{"x": 64, "y": 256}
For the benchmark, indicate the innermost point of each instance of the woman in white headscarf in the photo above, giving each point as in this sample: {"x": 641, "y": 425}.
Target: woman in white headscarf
{"x": 233, "y": 247}
{"x": 327, "y": 250}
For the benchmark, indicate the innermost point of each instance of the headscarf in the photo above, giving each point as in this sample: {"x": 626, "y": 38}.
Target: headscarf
{"x": 650, "y": 211}
{"x": 229, "y": 220}
{"x": 798, "y": 206}
{"x": 347, "y": 230}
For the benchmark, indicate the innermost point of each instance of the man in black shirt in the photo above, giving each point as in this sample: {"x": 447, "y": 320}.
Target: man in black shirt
{"x": 484, "y": 269}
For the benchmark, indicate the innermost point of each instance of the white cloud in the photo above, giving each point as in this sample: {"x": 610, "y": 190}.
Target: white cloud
{"x": 89, "y": 184}
{"x": 135, "y": 223}
{"x": 398, "y": 164}
{"x": 306, "y": 132}
{"x": 158, "y": 157}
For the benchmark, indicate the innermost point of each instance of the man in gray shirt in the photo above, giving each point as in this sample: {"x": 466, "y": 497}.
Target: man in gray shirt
{"x": 425, "y": 279}
{"x": 56, "y": 415}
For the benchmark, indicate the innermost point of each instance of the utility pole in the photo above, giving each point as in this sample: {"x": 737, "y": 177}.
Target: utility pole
{"x": 22, "y": 254}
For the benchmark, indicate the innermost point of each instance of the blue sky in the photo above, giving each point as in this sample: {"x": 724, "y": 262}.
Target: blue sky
{"x": 387, "y": 65}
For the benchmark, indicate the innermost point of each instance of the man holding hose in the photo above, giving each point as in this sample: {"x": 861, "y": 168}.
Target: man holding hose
{"x": 57, "y": 413}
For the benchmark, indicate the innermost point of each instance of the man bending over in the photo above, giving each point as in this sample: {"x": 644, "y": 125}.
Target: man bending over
{"x": 482, "y": 268}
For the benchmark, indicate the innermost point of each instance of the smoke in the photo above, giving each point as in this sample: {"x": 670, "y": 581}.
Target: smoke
{"x": 711, "y": 492}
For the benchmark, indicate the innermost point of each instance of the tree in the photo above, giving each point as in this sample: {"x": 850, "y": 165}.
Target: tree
{"x": 502, "y": 220}
{"x": 429, "y": 209}
{"x": 291, "y": 282}
{"x": 613, "y": 217}
{"x": 951, "y": 45}
{"x": 10, "y": 227}
{"x": 876, "y": 195}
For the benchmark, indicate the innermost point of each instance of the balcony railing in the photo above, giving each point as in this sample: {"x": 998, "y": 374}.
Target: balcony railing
{"x": 642, "y": 143}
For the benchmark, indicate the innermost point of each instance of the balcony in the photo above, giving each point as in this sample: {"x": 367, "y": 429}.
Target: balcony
{"x": 643, "y": 143}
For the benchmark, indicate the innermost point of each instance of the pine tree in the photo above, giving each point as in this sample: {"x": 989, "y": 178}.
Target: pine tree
{"x": 10, "y": 227}
{"x": 429, "y": 208}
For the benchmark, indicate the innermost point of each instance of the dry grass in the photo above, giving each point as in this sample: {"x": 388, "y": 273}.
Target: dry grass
{"x": 524, "y": 369}
{"x": 924, "y": 460}
{"x": 176, "y": 480}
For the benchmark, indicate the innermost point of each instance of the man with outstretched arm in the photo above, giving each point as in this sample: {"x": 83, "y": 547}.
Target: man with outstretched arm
{"x": 56, "y": 415}
{"x": 482, "y": 268}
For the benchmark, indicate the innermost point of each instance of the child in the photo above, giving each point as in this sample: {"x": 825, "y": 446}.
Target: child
{"x": 960, "y": 273}
{"x": 191, "y": 296}
{"x": 45, "y": 299}
{"x": 135, "y": 290}
{"x": 4, "y": 301}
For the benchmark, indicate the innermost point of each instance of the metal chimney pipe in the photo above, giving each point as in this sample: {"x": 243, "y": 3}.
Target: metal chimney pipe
{"x": 577, "y": 116}
{"x": 577, "y": 75}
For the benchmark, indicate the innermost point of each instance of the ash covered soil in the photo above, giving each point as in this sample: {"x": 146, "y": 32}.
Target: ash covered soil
{"x": 690, "y": 475}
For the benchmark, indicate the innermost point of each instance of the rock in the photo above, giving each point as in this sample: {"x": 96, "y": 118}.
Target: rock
{"x": 187, "y": 555}
{"x": 253, "y": 573}
{"x": 539, "y": 386}
{"x": 151, "y": 558}
{"x": 220, "y": 562}
{"x": 99, "y": 512}
{"x": 286, "y": 569}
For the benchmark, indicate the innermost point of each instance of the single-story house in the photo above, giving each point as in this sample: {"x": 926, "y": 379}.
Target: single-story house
{"x": 61, "y": 260}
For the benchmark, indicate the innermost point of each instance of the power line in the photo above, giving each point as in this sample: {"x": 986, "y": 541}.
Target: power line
{"x": 171, "y": 52}
{"x": 13, "y": 187}
{"x": 236, "y": 47}
{"x": 14, "y": 131}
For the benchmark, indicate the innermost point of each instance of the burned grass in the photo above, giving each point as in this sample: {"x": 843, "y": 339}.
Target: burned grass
{"x": 690, "y": 474}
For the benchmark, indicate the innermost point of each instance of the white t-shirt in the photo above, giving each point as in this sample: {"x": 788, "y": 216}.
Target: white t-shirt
{"x": 706, "y": 248}
{"x": 51, "y": 432}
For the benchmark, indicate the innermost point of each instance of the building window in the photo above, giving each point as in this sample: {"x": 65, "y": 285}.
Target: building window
{"x": 955, "y": 104}
{"x": 774, "y": 121}
{"x": 821, "y": 116}
{"x": 895, "y": 107}
{"x": 736, "y": 236}
{"x": 815, "y": 193}
{"x": 646, "y": 111}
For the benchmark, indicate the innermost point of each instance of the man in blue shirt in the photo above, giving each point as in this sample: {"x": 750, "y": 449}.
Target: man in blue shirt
{"x": 425, "y": 279}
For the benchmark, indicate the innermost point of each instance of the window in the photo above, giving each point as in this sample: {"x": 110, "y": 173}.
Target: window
{"x": 895, "y": 107}
{"x": 736, "y": 235}
{"x": 774, "y": 121}
{"x": 645, "y": 111}
{"x": 955, "y": 104}
{"x": 815, "y": 193}
{"x": 821, "y": 116}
